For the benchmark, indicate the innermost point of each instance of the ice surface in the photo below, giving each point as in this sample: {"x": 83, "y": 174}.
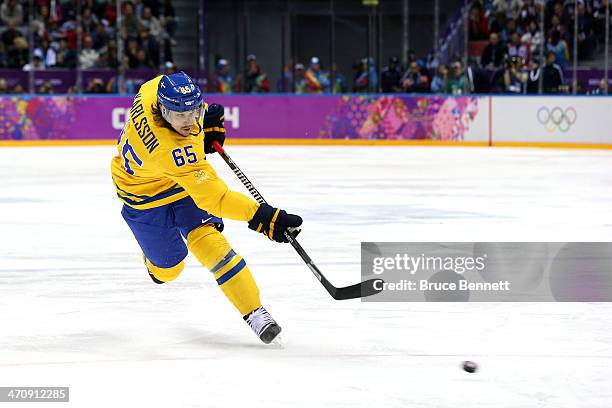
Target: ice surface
{"x": 77, "y": 308}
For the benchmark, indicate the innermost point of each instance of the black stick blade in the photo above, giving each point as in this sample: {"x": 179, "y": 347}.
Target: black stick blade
{"x": 359, "y": 290}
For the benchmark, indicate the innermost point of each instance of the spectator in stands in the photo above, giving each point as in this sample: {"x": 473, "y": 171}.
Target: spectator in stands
{"x": 457, "y": 83}
{"x": 111, "y": 50}
{"x": 88, "y": 57}
{"x": 506, "y": 33}
{"x": 37, "y": 64}
{"x": 110, "y": 12}
{"x": 89, "y": 21}
{"x": 528, "y": 12}
{"x": 494, "y": 53}
{"x": 126, "y": 86}
{"x": 132, "y": 53}
{"x": 586, "y": 36}
{"x": 599, "y": 19}
{"x": 52, "y": 31}
{"x": 439, "y": 84}
{"x": 365, "y": 76}
{"x": 255, "y": 80}
{"x": 509, "y": 8}
{"x": 517, "y": 49}
{"x": 300, "y": 79}
{"x": 552, "y": 74}
{"x": 97, "y": 8}
{"x": 390, "y": 76}
{"x": 2, "y": 55}
{"x": 100, "y": 37}
{"x": 285, "y": 83}
{"x": 69, "y": 10}
{"x": 317, "y": 80}
{"x": 513, "y": 78}
{"x": 478, "y": 23}
{"x": 103, "y": 59}
{"x": 18, "y": 54}
{"x": 142, "y": 61}
{"x": 10, "y": 34}
{"x": 45, "y": 88}
{"x": 533, "y": 78}
{"x": 154, "y": 5}
{"x": 36, "y": 35}
{"x": 65, "y": 58}
{"x": 555, "y": 25}
{"x": 498, "y": 23}
{"x": 130, "y": 23}
{"x": 3, "y": 86}
{"x": 18, "y": 89}
{"x": 222, "y": 81}
{"x": 48, "y": 53}
{"x": 11, "y": 10}
{"x": 151, "y": 46}
{"x": 96, "y": 86}
{"x": 138, "y": 8}
{"x": 532, "y": 37}
{"x": 561, "y": 17}
{"x": 151, "y": 23}
{"x": 413, "y": 81}
{"x": 39, "y": 23}
{"x": 339, "y": 81}
{"x": 602, "y": 89}
{"x": 559, "y": 47}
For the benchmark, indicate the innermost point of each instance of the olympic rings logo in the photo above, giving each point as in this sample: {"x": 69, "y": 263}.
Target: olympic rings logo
{"x": 557, "y": 118}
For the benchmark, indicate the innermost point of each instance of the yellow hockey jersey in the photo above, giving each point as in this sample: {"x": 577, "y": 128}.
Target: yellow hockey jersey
{"x": 155, "y": 165}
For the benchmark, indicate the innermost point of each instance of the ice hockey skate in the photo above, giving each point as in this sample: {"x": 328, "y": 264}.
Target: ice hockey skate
{"x": 264, "y": 326}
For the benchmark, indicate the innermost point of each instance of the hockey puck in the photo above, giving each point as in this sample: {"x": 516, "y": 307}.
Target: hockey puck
{"x": 470, "y": 366}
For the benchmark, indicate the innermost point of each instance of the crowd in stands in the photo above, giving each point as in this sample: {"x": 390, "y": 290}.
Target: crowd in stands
{"x": 513, "y": 34}
{"x": 508, "y": 63}
{"x": 507, "y": 35}
{"x": 49, "y": 36}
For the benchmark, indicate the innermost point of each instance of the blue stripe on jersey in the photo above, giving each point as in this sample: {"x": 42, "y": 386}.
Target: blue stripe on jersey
{"x": 154, "y": 198}
{"x": 231, "y": 273}
{"x": 143, "y": 197}
{"x": 230, "y": 255}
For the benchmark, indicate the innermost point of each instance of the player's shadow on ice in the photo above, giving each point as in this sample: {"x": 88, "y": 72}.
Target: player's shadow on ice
{"x": 240, "y": 340}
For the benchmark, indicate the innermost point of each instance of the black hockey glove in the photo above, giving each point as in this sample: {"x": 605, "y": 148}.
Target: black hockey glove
{"x": 273, "y": 222}
{"x": 214, "y": 130}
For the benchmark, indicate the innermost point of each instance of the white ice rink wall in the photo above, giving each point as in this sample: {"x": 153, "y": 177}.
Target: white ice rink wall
{"x": 568, "y": 121}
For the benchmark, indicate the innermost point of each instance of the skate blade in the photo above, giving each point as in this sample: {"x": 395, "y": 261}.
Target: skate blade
{"x": 277, "y": 343}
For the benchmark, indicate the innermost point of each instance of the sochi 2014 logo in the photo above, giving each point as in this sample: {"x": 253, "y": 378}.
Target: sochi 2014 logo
{"x": 557, "y": 118}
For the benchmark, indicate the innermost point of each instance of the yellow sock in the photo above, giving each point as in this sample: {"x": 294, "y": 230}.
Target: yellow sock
{"x": 230, "y": 270}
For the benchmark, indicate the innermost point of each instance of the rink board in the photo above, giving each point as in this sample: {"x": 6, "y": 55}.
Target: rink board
{"x": 348, "y": 119}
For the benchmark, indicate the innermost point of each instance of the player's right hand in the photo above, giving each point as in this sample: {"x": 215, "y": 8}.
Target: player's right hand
{"x": 214, "y": 129}
{"x": 273, "y": 222}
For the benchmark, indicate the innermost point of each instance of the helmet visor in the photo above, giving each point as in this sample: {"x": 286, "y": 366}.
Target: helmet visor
{"x": 182, "y": 119}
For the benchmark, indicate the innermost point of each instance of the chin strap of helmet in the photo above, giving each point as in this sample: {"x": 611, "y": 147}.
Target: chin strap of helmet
{"x": 202, "y": 109}
{"x": 165, "y": 112}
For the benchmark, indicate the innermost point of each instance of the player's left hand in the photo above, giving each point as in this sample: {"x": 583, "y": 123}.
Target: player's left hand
{"x": 273, "y": 222}
{"x": 214, "y": 129}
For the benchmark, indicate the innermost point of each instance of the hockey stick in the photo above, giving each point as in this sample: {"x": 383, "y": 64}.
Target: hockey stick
{"x": 358, "y": 290}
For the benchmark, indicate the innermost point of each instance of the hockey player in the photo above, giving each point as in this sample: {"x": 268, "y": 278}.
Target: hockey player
{"x": 172, "y": 194}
